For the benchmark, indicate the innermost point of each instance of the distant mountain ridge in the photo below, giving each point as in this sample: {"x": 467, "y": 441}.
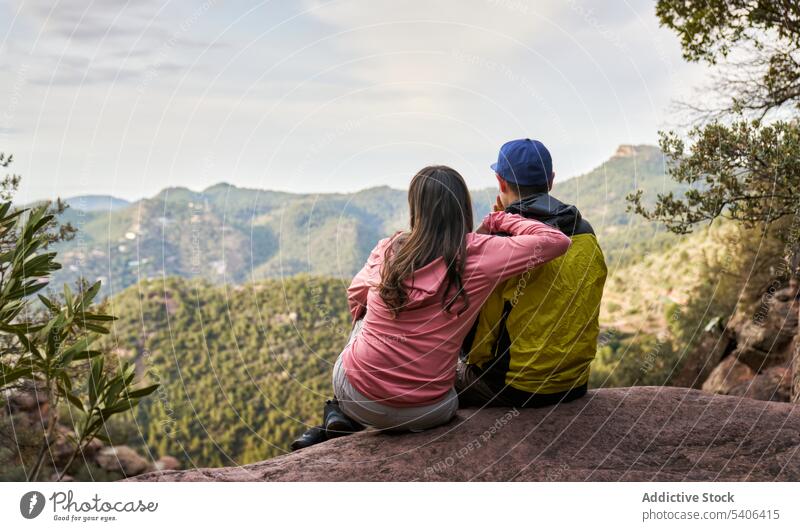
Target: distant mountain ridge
{"x": 230, "y": 234}
{"x": 95, "y": 203}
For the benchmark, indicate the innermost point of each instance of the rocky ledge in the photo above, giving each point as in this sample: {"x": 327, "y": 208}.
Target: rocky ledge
{"x": 629, "y": 434}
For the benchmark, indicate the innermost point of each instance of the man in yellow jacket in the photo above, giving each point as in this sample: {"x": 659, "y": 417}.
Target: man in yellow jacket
{"x": 536, "y": 336}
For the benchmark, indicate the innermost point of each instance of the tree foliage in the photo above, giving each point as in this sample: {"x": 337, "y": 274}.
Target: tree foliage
{"x": 755, "y": 42}
{"x": 745, "y": 171}
{"x": 739, "y": 163}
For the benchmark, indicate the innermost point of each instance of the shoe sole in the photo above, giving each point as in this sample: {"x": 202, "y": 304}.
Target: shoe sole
{"x": 307, "y": 442}
{"x": 338, "y": 429}
{"x": 302, "y": 446}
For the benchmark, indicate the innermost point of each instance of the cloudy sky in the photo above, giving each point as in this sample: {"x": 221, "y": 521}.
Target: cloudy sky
{"x": 129, "y": 97}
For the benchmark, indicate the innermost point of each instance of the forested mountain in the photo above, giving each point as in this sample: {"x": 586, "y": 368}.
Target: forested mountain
{"x": 600, "y": 196}
{"x": 242, "y": 369}
{"x": 229, "y": 234}
{"x": 232, "y": 235}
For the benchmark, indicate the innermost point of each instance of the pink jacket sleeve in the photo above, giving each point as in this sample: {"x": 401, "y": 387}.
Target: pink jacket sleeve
{"x": 530, "y": 243}
{"x": 364, "y": 279}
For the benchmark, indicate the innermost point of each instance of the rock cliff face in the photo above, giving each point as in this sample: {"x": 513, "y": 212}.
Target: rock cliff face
{"x": 629, "y": 434}
{"x": 757, "y": 355}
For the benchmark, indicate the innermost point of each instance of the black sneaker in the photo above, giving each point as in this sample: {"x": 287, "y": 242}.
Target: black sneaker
{"x": 312, "y": 436}
{"x": 336, "y": 422}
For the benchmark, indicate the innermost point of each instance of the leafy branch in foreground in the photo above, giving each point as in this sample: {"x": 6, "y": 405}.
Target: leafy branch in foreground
{"x": 49, "y": 349}
{"x": 107, "y": 395}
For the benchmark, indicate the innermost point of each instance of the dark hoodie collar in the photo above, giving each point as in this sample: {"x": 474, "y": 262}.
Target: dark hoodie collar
{"x": 549, "y": 210}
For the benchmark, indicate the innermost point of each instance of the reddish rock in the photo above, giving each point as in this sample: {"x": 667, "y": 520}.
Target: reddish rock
{"x": 62, "y": 448}
{"x": 122, "y": 459}
{"x": 91, "y": 449}
{"x": 772, "y": 384}
{"x": 630, "y": 434}
{"x": 167, "y": 462}
{"x": 22, "y": 401}
{"x": 795, "y": 365}
{"x": 728, "y": 374}
{"x": 698, "y": 364}
{"x": 796, "y": 375}
{"x": 29, "y": 401}
{"x": 765, "y": 338}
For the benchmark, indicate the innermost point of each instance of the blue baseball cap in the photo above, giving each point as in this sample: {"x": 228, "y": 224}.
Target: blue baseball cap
{"x": 525, "y": 162}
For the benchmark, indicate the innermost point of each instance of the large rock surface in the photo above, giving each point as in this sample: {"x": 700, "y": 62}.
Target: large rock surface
{"x": 632, "y": 434}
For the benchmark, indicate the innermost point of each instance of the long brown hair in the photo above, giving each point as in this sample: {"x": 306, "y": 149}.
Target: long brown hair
{"x": 441, "y": 217}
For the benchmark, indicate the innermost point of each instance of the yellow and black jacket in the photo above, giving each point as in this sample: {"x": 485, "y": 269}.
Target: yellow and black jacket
{"x": 537, "y": 332}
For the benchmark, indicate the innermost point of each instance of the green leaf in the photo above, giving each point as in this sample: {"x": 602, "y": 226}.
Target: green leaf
{"x": 40, "y": 265}
{"x": 95, "y": 383}
{"x": 127, "y": 374}
{"x": 7, "y": 377}
{"x": 67, "y": 381}
{"x": 49, "y": 304}
{"x": 114, "y": 388}
{"x": 98, "y": 317}
{"x": 67, "y": 295}
{"x": 75, "y": 401}
{"x": 144, "y": 391}
{"x": 19, "y": 328}
{"x": 90, "y": 294}
{"x": 78, "y": 347}
{"x": 119, "y": 407}
{"x": 29, "y": 346}
{"x": 96, "y": 328}
{"x": 39, "y": 218}
{"x": 86, "y": 355}
{"x": 28, "y": 289}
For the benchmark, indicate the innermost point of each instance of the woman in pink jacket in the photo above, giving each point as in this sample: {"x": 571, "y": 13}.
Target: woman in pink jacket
{"x": 414, "y": 302}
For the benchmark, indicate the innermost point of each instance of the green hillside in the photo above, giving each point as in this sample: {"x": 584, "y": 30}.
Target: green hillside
{"x": 242, "y": 369}
{"x": 227, "y": 234}
{"x": 600, "y": 196}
